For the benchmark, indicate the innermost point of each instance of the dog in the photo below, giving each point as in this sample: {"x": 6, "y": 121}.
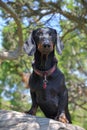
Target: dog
{"x": 47, "y": 82}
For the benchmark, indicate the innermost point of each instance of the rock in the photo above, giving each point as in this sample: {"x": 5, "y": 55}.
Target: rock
{"x": 12, "y": 120}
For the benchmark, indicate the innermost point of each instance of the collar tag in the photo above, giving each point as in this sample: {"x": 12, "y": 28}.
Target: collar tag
{"x": 45, "y": 81}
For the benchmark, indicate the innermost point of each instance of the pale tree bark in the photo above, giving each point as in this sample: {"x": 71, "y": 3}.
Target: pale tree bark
{"x": 12, "y": 54}
{"x": 12, "y": 120}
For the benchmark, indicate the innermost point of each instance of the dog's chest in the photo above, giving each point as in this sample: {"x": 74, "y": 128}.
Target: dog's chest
{"x": 52, "y": 87}
{"x": 50, "y": 95}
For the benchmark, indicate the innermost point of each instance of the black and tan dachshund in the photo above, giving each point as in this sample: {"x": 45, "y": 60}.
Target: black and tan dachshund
{"x": 47, "y": 83}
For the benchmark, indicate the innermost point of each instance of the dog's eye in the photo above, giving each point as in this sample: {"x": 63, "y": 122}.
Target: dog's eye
{"x": 39, "y": 34}
{"x": 50, "y": 34}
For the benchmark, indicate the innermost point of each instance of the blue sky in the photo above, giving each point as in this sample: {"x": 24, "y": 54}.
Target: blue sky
{"x": 52, "y": 23}
{"x": 2, "y": 23}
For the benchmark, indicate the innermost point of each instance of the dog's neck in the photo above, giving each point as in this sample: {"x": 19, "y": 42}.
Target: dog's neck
{"x": 44, "y": 62}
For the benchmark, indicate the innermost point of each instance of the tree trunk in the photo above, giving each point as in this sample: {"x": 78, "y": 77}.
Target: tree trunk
{"x": 12, "y": 120}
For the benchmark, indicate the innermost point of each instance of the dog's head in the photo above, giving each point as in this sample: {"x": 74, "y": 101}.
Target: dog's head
{"x": 43, "y": 39}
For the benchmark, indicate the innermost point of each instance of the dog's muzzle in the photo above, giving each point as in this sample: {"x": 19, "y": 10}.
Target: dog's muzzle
{"x": 45, "y": 46}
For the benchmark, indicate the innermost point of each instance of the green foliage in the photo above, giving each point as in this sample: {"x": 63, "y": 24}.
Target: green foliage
{"x": 10, "y": 36}
{"x": 72, "y": 62}
{"x": 80, "y": 117}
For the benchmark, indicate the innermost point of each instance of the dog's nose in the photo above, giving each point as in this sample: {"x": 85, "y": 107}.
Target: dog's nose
{"x": 46, "y": 45}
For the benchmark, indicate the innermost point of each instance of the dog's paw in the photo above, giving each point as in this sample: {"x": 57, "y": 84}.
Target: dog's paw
{"x": 62, "y": 118}
{"x": 29, "y": 112}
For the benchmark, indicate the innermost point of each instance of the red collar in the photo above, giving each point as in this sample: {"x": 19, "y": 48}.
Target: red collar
{"x": 45, "y": 73}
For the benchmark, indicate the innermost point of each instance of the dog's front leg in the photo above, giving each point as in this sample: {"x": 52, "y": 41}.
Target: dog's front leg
{"x": 34, "y": 106}
{"x": 63, "y": 107}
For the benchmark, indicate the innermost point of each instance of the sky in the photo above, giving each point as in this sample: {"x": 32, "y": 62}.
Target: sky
{"x": 52, "y": 23}
{"x": 2, "y": 23}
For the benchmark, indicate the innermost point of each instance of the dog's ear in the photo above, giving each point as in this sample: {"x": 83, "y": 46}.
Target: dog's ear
{"x": 59, "y": 44}
{"x": 29, "y": 46}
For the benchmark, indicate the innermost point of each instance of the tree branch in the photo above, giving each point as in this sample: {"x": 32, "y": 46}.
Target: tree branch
{"x": 13, "y": 54}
